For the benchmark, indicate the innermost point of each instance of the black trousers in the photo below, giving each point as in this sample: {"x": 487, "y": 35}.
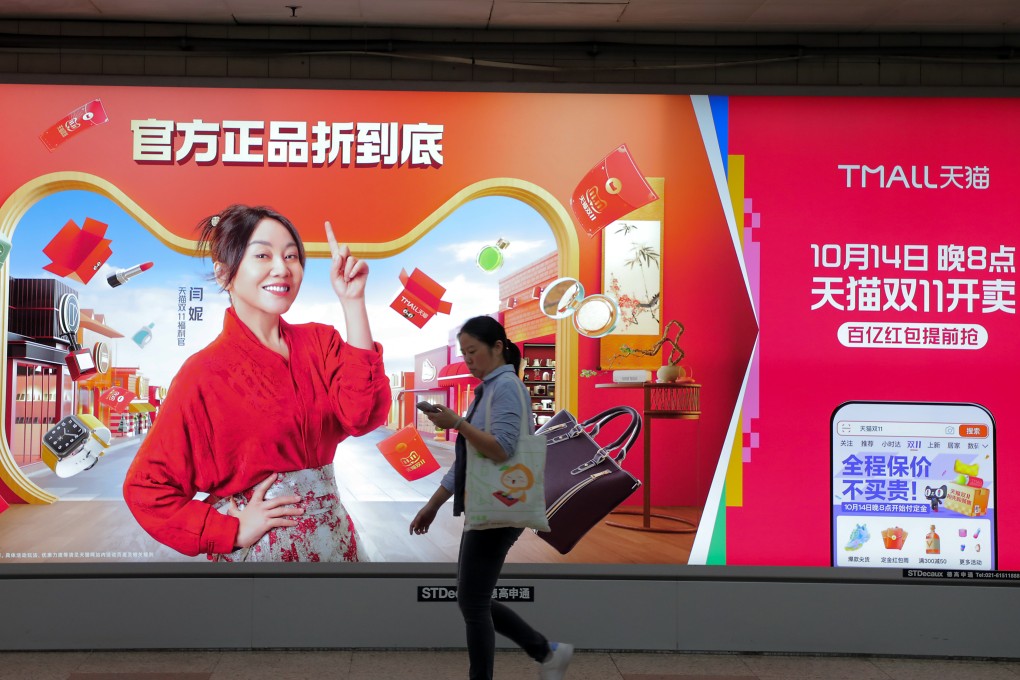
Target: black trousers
{"x": 482, "y": 553}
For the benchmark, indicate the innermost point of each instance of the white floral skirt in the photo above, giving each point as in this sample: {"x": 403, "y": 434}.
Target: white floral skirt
{"x": 324, "y": 533}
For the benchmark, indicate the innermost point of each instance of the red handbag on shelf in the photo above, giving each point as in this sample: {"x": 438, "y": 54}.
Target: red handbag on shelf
{"x": 583, "y": 479}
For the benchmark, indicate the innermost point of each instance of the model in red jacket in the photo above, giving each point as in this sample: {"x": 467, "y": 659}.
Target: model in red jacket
{"x": 255, "y": 418}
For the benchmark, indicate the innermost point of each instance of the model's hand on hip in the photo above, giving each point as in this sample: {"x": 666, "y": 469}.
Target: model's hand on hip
{"x": 261, "y": 515}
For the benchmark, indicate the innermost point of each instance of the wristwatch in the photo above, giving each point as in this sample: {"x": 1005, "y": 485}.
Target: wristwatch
{"x": 75, "y": 444}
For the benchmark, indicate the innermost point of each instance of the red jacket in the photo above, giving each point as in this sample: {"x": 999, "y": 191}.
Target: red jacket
{"x": 237, "y": 412}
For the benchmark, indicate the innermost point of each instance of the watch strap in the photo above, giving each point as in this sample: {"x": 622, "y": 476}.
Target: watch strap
{"x": 87, "y": 455}
{"x": 100, "y": 432}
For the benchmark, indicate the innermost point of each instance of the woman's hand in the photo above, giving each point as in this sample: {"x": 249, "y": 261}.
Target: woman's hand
{"x": 261, "y": 515}
{"x": 443, "y": 417}
{"x": 347, "y": 273}
{"x": 483, "y": 442}
{"x": 423, "y": 520}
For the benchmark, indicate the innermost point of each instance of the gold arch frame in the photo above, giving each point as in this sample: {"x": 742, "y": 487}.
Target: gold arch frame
{"x": 551, "y": 210}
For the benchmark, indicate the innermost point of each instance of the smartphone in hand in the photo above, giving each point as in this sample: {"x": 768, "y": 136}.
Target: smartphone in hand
{"x": 427, "y": 407}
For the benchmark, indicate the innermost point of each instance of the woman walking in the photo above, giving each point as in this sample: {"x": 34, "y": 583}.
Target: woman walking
{"x": 493, "y": 359}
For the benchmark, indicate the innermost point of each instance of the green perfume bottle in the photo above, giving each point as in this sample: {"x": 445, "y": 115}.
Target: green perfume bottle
{"x": 490, "y": 258}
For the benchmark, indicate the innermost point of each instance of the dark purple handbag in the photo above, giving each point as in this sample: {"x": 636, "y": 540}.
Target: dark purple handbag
{"x": 583, "y": 480}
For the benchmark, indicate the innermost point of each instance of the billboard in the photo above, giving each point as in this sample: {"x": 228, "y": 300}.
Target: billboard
{"x": 750, "y": 274}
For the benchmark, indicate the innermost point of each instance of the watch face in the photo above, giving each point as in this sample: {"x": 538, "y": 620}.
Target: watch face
{"x": 66, "y": 436}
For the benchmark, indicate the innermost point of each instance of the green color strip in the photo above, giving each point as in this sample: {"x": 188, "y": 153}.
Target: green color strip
{"x": 717, "y": 547}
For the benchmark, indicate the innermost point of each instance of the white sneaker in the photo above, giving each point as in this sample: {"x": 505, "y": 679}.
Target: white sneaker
{"x": 555, "y": 667}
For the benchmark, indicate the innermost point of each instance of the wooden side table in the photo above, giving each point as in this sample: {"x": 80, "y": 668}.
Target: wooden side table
{"x": 668, "y": 401}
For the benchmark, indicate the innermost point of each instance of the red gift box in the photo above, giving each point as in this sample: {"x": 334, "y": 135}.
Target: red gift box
{"x": 83, "y": 117}
{"x": 117, "y": 398}
{"x": 609, "y": 191}
{"x": 407, "y": 453}
{"x": 78, "y": 253}
{"x": 421, "y": 298}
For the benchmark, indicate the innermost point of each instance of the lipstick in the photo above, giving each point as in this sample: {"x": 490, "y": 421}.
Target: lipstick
{"x": 121, "y": 277}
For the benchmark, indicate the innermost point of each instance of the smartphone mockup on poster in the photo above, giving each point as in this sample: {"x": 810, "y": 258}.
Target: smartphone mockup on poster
{"x": 913, "y": 486}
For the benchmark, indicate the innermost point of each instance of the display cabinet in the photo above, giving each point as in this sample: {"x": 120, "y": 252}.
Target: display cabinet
{"x": 538, "y": 366}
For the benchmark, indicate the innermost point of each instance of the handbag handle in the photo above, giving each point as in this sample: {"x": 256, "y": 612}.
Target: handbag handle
{"x": 626, "y": 439}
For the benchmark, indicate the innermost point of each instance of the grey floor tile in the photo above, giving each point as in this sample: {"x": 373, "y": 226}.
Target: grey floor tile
{"x": 284, "y": 665}
{"x": 593, "y": 666}
{"x": 452, "y": 664}
{"x": 385, "y": 665}
{"x": 583, "y": 666}
{"x": 39, "y": 665}
{"x": 33, "y": 674}
{"x": 805, "y": 675}
{"x": 674, "y": 676}
{"x": 138, "y": 676}
{"x": 512, "y": 664}
{"x": 798, "y": 667}
{"x": 927, "y": 669}
{"x": 150, "y": 662}
{"x": 679, "y": 663}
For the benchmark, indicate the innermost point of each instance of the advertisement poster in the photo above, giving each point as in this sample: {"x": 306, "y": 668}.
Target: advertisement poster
{"x": 882, "y": 251}
{"x": 744, "y": 272}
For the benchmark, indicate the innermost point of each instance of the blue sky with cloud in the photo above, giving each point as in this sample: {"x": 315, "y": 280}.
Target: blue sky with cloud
{"x": 447, "y": 254}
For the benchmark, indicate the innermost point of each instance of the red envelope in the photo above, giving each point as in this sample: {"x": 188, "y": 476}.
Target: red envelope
{"x": 78, "y": 253}
{"x": 407, "y": 453}
{"x": 421, "y": 298}
{"x": 83, "y": 117}
{"x": 117, "y": 398}
{"x": 609, "y": 191}
{"x": 3, "y": 504}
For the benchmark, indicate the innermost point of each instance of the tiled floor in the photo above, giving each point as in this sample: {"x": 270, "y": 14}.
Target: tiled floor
{"x": 381, "y": 502}
{"x": 452, "y": 665}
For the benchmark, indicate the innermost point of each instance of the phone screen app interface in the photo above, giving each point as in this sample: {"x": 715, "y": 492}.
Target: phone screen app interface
{"x": 913, "y": 486}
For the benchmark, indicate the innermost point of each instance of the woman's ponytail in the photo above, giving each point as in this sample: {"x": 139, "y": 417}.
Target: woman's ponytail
{"x": 512, "y": 355}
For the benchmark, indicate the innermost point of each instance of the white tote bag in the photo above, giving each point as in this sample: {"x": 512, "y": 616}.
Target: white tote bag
{"x": 511, "y": 493}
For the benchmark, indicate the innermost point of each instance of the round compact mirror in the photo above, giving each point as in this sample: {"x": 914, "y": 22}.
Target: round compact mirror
{"x": 561, "y": 297}
{"x": 593, "y": 316}
{"x": 596, "y": 316}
